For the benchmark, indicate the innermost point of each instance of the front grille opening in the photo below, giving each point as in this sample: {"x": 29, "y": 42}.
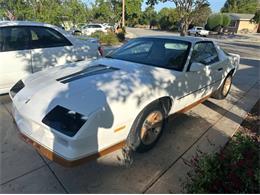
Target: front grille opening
{"x": 64, "y": 120}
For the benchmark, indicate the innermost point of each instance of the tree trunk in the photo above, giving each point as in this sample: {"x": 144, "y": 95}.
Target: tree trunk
{"x": 184, "y": 28}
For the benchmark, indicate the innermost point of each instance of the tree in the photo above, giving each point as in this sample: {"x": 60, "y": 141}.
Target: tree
{"x": 103, "y": 11}
{"x": 14, "y": 9}
{"x": 202, "y": 17}
{"x": 111, "y": 11}
{"x": 187, "y": 10}
{"x": 240, "y": 6}
{"x": 218, "y": 22}
{"x": 148, "y": 15}
{"x": 75, "y": 11}
{"x": 168, "y": 17}
{"x": 53, "y": 12}
{"x": 133, "y": 11}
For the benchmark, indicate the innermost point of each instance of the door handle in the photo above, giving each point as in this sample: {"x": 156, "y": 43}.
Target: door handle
{"x": 220, "y": 69}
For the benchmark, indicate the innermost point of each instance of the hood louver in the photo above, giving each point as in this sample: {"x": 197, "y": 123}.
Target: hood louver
{"x": 90, "y": 71}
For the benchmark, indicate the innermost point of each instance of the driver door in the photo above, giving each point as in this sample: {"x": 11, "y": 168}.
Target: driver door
{"x": 201, "y": 83}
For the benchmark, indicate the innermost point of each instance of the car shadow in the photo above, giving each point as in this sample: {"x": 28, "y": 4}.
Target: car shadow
{"x": 107, "y": 175}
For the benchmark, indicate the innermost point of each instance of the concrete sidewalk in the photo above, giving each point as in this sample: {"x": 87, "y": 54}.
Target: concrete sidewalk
{"x": 213, "y": 139}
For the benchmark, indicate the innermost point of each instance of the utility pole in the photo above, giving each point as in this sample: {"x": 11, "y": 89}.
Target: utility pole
{"x": 123, "y": 13}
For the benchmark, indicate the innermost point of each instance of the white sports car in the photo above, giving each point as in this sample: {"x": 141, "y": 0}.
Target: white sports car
{"x": 75, "y": 113}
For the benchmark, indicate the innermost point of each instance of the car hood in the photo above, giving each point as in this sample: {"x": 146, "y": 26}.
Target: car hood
{"x": 85, "y": 87}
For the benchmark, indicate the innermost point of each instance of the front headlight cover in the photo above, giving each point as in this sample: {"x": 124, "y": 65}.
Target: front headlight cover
{"x": 64, "y": 120}
{"x": 16, "y": 88}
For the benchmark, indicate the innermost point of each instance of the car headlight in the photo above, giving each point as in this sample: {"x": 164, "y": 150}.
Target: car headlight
{"x": 64, "y": 120}
{"x": 16, "y": 88}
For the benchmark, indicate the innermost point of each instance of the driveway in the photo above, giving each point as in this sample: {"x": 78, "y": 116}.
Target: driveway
{"x": 23, "y": 170}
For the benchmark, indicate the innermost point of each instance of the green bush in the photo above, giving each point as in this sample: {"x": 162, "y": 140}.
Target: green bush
{"x": 216, "y": 21}
{"x": 226, "y": 20}
{"x": 234, "y": 170}
{"x": 121, "y": 36}
{"x": 109, "y": 38}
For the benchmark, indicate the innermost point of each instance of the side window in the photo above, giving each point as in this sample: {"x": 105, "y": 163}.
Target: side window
{"x": 205, "y": 53}
{"x": 14, "y": 38}
{"x": 176, "y": 55}
{"x": 43, "y": 37}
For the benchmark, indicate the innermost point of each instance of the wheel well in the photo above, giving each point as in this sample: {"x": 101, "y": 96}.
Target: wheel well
{"x": 231, "y": 72}
{"x": 166, "y": 104}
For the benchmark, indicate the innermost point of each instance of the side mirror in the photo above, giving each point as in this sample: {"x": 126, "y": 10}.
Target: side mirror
{"x": 196, "y": 66}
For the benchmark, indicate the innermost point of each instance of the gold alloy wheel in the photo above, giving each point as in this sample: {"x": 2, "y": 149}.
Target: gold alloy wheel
{"x": 227, "y": 86}
{"x": 151, "y": 127}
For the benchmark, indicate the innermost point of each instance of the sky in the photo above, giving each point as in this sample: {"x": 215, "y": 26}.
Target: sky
{"x": 215, "y": 5}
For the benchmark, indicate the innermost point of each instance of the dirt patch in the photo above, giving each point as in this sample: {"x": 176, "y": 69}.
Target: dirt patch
{"x": 252, "y": 122}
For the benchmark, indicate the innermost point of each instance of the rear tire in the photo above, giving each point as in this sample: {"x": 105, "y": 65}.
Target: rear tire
{"x": 147, "y": 128}
{"x": 223, "y": 91}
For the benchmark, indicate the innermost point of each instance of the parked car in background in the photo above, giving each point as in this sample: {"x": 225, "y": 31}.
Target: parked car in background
{"x": 75, "y": 31}
{"x": 91, "y": 28}
{"x": 28, "y": 47}
{"x": 108, "y": 26}
{"x": 83, "y": 112}
{"x": 198, "y": 31}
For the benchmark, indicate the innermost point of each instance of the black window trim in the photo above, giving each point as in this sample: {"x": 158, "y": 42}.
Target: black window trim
{"x": 188, "y": 69}
{"x": 30, "y": 39}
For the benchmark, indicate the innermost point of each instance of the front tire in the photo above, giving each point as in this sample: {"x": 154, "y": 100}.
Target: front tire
{"x": 223, "y": 91}
{"x": 147, "y": 128}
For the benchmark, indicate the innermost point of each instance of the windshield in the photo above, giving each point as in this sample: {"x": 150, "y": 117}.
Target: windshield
{"x": 166, "y": 53}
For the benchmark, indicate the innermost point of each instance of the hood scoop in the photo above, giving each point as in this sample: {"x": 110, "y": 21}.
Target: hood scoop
{"x": 89, "y": 71}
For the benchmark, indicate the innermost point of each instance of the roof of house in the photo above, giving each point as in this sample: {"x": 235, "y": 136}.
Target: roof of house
{"x": 235, "y": 16}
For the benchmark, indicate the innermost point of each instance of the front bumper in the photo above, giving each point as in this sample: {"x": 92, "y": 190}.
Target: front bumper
{"x": 48, "y": 153}
{"x": 67, "y": 163}
{"x": 28, "y": 131}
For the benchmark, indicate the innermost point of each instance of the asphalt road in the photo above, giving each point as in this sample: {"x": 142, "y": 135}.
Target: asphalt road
{"x": 246, "y": 46}
{"x": 147, "y": 32}
{"x": 23, "y": 170}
